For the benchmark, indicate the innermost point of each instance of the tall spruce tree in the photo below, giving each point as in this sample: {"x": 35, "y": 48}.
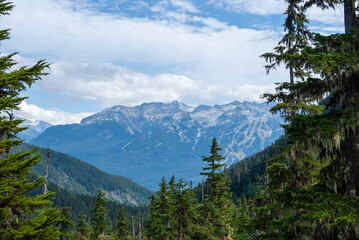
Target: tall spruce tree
{"x": 313, "y": 186}
{"x": 99, "y": 223}
{"x": 121, "y": 227}
{"x": 218, "y": 205}
{"x": 184, "y": 210}
{"x": 82, "y": 227}
{"x": 65, "y": 224}
{"x": 21, "y": 217}
{"x": 161, "y": 212}
{"x": 242, "y": 220}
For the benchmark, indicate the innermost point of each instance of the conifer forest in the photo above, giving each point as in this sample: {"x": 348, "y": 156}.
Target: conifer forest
{"x": 304, "y": 186}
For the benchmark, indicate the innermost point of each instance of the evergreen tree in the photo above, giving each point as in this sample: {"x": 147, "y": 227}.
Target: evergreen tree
{"x": 218, "y": 205}
{"x": 242, "y": 220}
{"x": 21, "y": 216}
{"x": 65, "y": 224}
{"x": 121, "y": 227}
{"x": 184, "y": 210}
{"x": 311, "y": 184}
{"x": 82, "y": 227}
{"x": 161, "y": 210}
{"x": 99, "y": 223}
{"x": 172, "y": 230}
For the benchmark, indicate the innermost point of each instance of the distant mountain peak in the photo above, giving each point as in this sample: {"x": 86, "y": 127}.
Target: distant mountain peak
{"x": 164, "y": 138}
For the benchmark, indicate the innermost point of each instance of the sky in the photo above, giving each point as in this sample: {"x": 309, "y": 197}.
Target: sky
{"x": 127, "y": 52}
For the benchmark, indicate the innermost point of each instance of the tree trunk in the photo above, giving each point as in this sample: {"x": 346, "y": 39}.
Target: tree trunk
{"x": 133, "y": 229}
{"x": 349, "y": 15}
{"x": 351, "y": 101}
{"x": 352, "y": 135}
{"x": 47, "y": 171}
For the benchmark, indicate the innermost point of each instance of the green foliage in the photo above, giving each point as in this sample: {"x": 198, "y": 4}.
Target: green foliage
{"x": 82, "y": 227}
{"x": 307, "y": 195}
{"x": 218, "y": 205}
{"x": 99, "y": 216}
{"x": 248, "y": 176}
{"x": 21, "y": 216}
{"x": 65, "y": 224}
{"x": 242, "y": 221}
{"x": 80, "y": 177}
{"x": 121, "y": 227}
{"x": 161, "y": 208}
{"x": 184, "y": 209}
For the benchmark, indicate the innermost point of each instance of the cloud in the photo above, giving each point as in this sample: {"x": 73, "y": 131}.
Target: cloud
{"x": 260, "y": 7}
{"x": 329, "y": 16}
{"x": 212, "y": 52}
{"x": 270, "y": 7}
{"x": 112, "y": 85}
{"x": 53, "y": 116}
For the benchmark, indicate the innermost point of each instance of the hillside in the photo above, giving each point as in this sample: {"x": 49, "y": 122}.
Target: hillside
{"x": 162, "y": 139}
{"x": 80, "y": 177}
{"x": 247, "y": 175}
{"x": 80, "y": 202}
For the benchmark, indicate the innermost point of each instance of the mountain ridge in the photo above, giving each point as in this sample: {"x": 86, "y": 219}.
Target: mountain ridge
{"x": 80, "y": 177}
{"x": 164, "y": 138}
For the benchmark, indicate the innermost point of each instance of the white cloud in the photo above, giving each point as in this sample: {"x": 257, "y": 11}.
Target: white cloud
{"x": 270, "y": 7}
{"x": 113, "y": 85}
{"x": 260, "y": 7}
{"x": 214, "y": 52}
{"x": 329, "y": 16}
{"x": 54, "y": 116}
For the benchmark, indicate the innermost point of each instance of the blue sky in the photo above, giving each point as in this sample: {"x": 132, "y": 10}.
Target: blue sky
{"x": 126, "y": 52}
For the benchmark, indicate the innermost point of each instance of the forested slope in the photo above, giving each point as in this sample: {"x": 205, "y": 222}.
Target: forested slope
{"x": 84, "y": 203}
{"x": 247, "y": 175}
{"x": 80, "y": 177}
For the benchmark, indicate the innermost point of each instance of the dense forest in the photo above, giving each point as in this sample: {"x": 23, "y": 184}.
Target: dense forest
{"x": 307, "y": 187}
{"x": 80, "y": 177}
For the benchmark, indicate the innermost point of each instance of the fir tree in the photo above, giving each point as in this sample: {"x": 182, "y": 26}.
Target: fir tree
{"x": 242, "y": 220}
{"x": 65, "y": 224}
{"x": 218, "y": 205}
{"x": 82, "y": 227}
{"x": 161, "y": 211}
{"x": 184, "y": 210}
{"x": 121, "y": 227}
{"x": 309, "y": 188}
{"x": 21, "y": 217}
{"x": 99, "y": 221}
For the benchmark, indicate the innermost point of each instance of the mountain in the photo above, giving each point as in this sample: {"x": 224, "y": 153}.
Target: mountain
{"x": 35, "y": 128}
{"x": 155, "y": 139}
{"x": 79, "y": 177}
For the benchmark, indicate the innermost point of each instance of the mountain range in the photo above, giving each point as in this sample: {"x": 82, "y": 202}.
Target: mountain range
{"x": 152, "y": 140}
{"x": 34, "y": 129}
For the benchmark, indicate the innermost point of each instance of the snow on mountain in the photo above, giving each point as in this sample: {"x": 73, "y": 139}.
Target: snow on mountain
{"x": 152, "y": 140}
{"x": 35, "y": 128}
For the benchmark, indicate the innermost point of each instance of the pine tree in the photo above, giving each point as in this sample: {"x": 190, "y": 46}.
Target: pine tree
{"x": 218, "y": 205}
{"x": 99, "y": 221}
{"x": 21, "y": 217}
{"x": 121, "y": 227}
{"x": 82, "y": 227}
